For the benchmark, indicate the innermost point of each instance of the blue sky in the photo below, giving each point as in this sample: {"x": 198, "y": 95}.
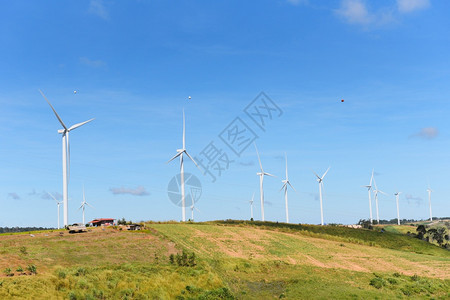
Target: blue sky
{"x": 134, "y": 64}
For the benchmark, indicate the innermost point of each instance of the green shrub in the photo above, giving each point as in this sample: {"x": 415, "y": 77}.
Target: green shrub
{"x": 172, "y": 259}
{"x": 377, "y": 282}
{"x": 23, "y": 250}
{"x": 80, "y": 272}
{"x": 7, "y": 271}
{"x": 32, "y": 269}
{"x": 19, "y": 269}
{"x": 61, "y": 274}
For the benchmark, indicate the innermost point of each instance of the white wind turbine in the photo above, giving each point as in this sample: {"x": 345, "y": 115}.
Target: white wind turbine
{"x": 369, "y": 187}
{"x": 192, "y": 211}
{"x": 429, "y": 190}
{"x": 376, "y": 191}
{"x": 58, "y": 203}
{"x": 65, "y": 158}
{"x": 251, "y": 206}
{"x": 83, "y": 205}
{"x": 398, "y": 211}
{"x": 261, "y": 179}
{"x": 180, "y": 153}
{"x": 320, "y": 181}
{"x": 286, "y": 182}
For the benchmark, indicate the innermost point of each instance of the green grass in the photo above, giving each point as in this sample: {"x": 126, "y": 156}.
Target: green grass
{"x": 235, "y": 260}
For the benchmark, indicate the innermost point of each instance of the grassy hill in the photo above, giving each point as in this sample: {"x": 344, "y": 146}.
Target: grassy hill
{"x": 232, "y": 260}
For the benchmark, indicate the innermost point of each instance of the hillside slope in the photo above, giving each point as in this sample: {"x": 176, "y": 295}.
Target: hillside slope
{"x": 232, "y": 260}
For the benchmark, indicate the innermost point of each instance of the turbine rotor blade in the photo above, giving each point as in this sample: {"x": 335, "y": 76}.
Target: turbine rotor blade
{"x": 54, "y": 111}
{"x": 324, "y": 174}
{"x": 260, "y": 165}
{"x": 80, "y": 124}
{"x": 268, "y": 174}
{"x": 318, "y": 177}
{"x": 191, "y": 159}
{"x": 176, "y": 155}
{"x": 184, "y": 131}
{"x": 291, "y": 186}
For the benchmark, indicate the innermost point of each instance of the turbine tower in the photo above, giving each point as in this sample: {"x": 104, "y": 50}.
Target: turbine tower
{"x": 286, "y": 182}
{"x": 58, "y": 203}
{"x": 429, "y": 201}
{"x": 180, "y": 153}
{"x": 65, "y": 158}
{"x": 398, "y": 212}
{"x": 376, "y": 191}
{"x": 261, "y": 179}
{"x": 320, "y": 181}
{"x": 83, "y": 205}
{"x": 369, "y": 187}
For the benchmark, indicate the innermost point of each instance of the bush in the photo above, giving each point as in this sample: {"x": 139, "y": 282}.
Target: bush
{"x": 172, "y": 259}
{"x": 23, "y": 250}
{"x": 377, "y": 282}
{"x": 19, "y": 269}
{"x": 7, "y": 271}
{"x": 32, "y": 269}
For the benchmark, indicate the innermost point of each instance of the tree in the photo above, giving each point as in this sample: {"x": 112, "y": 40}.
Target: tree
{"x": 421, "y": 231}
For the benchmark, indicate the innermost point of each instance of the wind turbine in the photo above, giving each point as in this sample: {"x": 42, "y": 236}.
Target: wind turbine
{"x": 83, "y": 205}
{"x": 261, "y": 179}
{"x": 320, "y": 181}
{"x": 65, "y": 158}
{"x": 429, "y": 190}
{"x": 58, "y": 203}
{"x": 192, "y": 211}
{"x": 376, "y": 191}
{"x": 369, "y": 187}
{"x": 286, "y": 182}
{"x": 398, "y": 212}
{"x": 180, "y": 153}
{"x": 251, "y": 206}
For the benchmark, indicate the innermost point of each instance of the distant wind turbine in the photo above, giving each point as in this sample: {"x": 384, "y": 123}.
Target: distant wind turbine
{"x": 83, "y": 205}
{"x": 180, "y": 153}
{"x": 320, "y": 181}
{"x": 261, "y": 179}
{"x": 251, "y": 206}
{"x": 398, "y": 211}
{"x": 429, "y": 190}
{"x": 286, "y": 182}
{"x": 376, "y": 191}
{"x": 369, "y": 188}
{"x": 58, "y": 203}
{"x": 65, "y": 158}
{"x": 192, "y": 211}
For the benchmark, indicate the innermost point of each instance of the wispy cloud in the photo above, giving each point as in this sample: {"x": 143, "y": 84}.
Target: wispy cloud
{"x": 246, "y": 163}
{"x": 92, "y": 63}
{"x": 46, "y": 196}
{"x": 97, "y": 7}
{"x": 139, "y": 191}
{"x": 410, "y": 198}
{"x": 14, "y": 196}
{"x": 427, "y": 133}
{"x": 354, "y": 12}
{"x": 407, "y": 6}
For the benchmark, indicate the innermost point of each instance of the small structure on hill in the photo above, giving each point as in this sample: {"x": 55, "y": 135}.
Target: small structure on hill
{"x": 133, "y": 227}
{"x": 103, "y": 222}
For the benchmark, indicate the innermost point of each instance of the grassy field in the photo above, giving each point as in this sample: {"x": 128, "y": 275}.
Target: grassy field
{"x": 233, "y": 260}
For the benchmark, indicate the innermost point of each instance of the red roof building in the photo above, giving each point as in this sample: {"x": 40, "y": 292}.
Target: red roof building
{"x": 103, "y": 221}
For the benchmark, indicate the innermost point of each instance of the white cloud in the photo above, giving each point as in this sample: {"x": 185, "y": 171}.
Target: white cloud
{"x": 139, "y": 191}
{"x": 427, "y": 133}
{"x": 355, "y": 12}
{"x": 96, "y": 7}
{"x": 92, "y": 63}
{"x": 14, "y": 196}
{"x": 407, "y": 6}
